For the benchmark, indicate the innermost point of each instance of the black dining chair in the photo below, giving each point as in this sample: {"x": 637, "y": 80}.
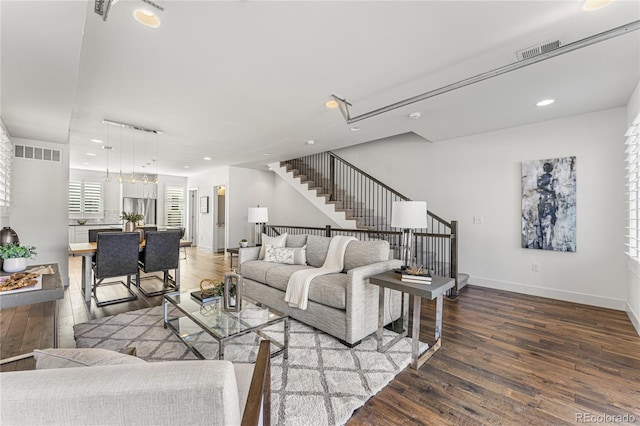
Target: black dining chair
{"x": 161, "y": 254}
{"x": 93, "y": 233}
{"x": 116, "y": 256}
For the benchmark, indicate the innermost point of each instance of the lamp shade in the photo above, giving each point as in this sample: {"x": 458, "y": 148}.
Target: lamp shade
{"x": 258, "y": 215}
{"x": 409, "y": 214}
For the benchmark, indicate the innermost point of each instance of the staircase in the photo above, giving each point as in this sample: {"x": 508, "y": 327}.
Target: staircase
{"x": 361, "y": 206}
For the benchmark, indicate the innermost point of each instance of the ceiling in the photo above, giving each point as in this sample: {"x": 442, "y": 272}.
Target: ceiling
{"x": 235, "y": 80}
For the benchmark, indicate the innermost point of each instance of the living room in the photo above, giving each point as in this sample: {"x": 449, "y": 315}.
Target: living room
{"x": 472, "y": 176}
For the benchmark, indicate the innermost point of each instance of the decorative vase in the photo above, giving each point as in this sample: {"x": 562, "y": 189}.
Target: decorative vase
{"x": 16, "y": 264}
{"x": 244, "y": 243}
{"x": 129, "y": 226}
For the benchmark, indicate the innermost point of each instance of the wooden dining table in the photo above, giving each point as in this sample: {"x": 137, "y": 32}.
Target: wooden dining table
{"x": 87, "y": 250}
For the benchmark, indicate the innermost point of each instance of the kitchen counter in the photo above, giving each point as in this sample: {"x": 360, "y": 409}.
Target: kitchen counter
{"x": 119, "y": 225}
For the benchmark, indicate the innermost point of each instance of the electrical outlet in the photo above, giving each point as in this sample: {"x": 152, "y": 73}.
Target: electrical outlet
{"x": 477, "y": 220}
{"x": 534, "y": 267}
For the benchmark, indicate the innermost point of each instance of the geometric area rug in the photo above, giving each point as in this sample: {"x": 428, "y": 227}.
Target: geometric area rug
{"x": 322, "y": 383}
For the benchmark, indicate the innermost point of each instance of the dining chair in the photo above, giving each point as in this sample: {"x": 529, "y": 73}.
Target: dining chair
{"x": 161, "y": 254}
{"x": 116, "y": 256}
{"x": 184, "y": 249}
{"x": 93, "y": 233}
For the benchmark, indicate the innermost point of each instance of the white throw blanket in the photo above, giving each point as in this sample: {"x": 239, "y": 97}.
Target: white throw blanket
{"x": 298, "y": 287}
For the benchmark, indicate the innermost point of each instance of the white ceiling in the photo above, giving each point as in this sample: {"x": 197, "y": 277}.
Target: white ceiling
{"x": 233, "y": 80}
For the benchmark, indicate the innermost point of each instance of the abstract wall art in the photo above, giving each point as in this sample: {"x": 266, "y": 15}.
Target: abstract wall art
{"x": 549, "y": 204}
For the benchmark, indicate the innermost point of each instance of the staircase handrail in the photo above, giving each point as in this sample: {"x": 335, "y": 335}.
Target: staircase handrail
{"x": 368, "y": 176}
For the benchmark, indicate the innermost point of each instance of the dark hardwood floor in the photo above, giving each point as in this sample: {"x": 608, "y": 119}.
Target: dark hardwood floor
{"x": 506, "y": 358}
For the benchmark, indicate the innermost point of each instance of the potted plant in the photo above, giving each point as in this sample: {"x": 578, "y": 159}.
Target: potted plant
{"x": 244, "y": 243}
{"x": 15, "y": 257}
{"x": 131, "y": 219}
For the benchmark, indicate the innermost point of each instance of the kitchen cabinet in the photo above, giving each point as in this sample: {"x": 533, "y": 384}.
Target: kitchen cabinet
{"x": 80, "y": 233}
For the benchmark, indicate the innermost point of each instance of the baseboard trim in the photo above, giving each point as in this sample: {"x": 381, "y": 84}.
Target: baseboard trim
{"x": 633, "y": 317}
{"x": 567, "y": 296}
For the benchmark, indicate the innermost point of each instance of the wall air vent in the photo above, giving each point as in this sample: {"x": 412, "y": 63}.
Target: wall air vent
{"x": 537, "y": 50}
{"x": 37, "y": 153}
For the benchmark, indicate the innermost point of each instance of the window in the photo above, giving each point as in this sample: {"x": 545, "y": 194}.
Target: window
{"x": 633, "y": 190}
{"x": 85, "y": 199}
{"x": 175, "y": 206}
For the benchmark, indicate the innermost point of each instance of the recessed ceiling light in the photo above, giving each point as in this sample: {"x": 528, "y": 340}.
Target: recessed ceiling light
{"x": 266, "y": 154}
{"x": 96, "y": 140}
{"x": 332, "y": 104}
{"x": 355, "y": 129}
{"x": 591, "y": 5}
{"x": 146, "y": 17}
{"x": 415, "y": 115}
{"x": 545, "y": 102}
{"x": 187, "y": 167}
{"x": 85, "y": 164}
{"x": 91, "y": 154}
{"x": 206, "y": 158}
{"x": 310, "y": 142}
{"x": 107, "y": 147}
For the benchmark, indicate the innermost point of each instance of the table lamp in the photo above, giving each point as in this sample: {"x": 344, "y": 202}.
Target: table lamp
{"x": 259, "y": 216}
{"x": 408, "y": 215}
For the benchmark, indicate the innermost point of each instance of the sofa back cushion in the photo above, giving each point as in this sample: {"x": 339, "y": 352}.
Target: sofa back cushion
{"x": 298, "y": 240}
{"x": 317, "y": 248}
{"x": 360, "y": 253}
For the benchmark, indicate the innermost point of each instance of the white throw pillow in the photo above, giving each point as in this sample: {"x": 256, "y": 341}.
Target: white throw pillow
{"x": 278, "y": 241}
{"x": 286, "y": 255}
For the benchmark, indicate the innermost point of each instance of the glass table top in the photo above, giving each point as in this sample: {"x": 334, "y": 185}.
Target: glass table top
{"x": 220, "y": 322}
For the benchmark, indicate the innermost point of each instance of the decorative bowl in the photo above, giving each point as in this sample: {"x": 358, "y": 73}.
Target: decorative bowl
{"x": 82, "y": 221}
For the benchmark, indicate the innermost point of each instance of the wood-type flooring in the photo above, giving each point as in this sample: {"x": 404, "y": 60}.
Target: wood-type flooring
{"x": 506, "y": 358}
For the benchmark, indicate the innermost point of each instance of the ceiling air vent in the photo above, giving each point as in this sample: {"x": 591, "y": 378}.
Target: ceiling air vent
{"x": 37, "y": 153}
{"x": 537, "y": 50}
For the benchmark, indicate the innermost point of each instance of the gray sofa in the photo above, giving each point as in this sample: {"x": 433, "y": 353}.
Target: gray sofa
{"x": 343, "y": 304}
{"x": 90, "y": 386}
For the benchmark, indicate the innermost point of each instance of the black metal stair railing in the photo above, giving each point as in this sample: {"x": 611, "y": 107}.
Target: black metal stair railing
{"x": 369, "y": 201}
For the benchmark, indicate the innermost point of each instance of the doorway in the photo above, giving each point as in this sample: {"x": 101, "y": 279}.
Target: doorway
{"x": 219, "y": 218}
{"x": 192, "y": 220}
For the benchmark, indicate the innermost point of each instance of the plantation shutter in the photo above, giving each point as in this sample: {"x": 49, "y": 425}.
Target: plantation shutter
{"x": 633, "y": 176}
{"x": 92, "y": 198}
{"x": 85, "y": 199}
{"x": 75, "y": 198}
{"x": 175, "y": 206}
{"x": 6, "y": 155}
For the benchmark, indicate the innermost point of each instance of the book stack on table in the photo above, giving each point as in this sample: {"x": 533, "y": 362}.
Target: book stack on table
{"x": 197, "y": 295}
{"x": 417, "y": 279}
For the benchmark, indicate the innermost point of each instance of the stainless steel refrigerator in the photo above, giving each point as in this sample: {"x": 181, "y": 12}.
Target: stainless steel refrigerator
{"x": 144, "y": 206}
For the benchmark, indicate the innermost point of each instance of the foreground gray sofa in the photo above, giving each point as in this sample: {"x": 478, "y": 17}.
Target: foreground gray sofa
{"x": 344, "y": 304}
{"x": 91, "y": 386}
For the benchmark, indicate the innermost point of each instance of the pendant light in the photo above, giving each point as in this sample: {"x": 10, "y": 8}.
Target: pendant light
{"x": 108, "y": 148}
{"x": 120, "y": 177}
{"x": 155, "y": 179}
{"x": 132, "y": 178}
{"x": 145, "y": 178}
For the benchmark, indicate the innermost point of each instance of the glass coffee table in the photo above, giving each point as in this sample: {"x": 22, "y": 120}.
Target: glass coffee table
{"x": 222, "y": 325}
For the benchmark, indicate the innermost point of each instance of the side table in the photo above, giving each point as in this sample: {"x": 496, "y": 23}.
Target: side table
{"x": 435, "y": 290}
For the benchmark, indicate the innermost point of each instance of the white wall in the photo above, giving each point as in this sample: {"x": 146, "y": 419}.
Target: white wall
{"x": 633, "y": 268}
{"x": 40, "y": 205}
{"x": 249, "y": 188}
{"x": 479, "y": 175}
{"x": 205, "y": 183}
